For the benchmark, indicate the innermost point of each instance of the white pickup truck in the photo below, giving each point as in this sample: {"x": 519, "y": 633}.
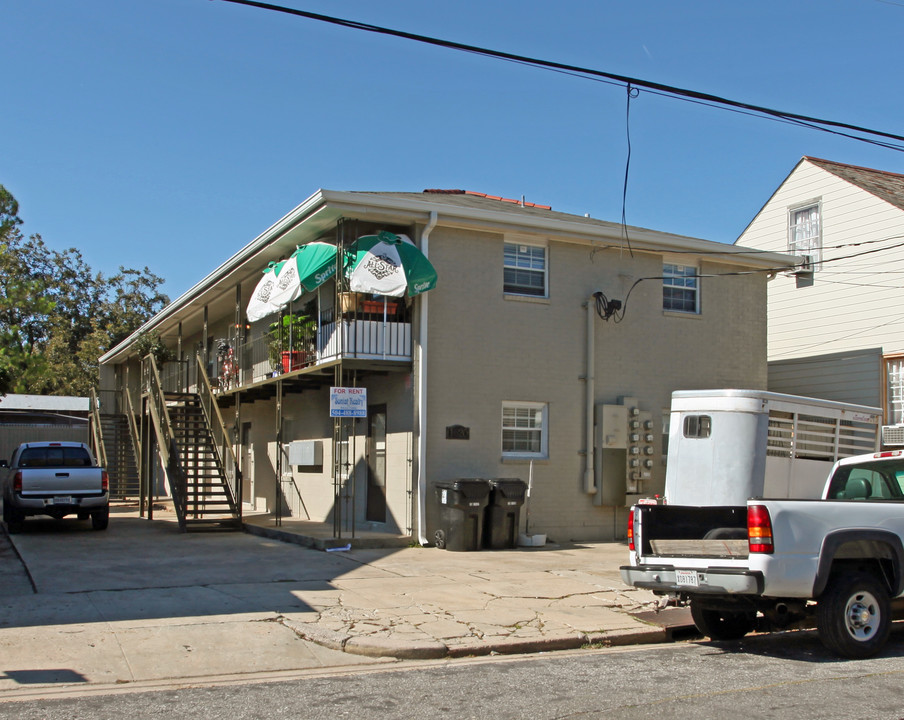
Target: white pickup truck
{"x": 775, "y": 562}
{"x": 56, "y": 479}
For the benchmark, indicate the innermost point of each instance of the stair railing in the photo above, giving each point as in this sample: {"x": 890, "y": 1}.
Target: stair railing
{"x": 221, "y": 440}
{"x": 133, "y": 425}
{"x": 97, "y": 433}
{"x": 166, "y": 439}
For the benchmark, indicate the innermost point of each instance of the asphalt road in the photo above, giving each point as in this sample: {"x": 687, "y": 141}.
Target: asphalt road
{"x": 779, "y": 677}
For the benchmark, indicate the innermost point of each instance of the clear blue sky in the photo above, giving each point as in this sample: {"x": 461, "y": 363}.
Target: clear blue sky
{"x": 169, "y": 133}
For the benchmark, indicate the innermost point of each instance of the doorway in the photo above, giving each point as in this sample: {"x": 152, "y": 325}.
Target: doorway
{"x": 247, "y": 461}
{"x": 376, "y": 464}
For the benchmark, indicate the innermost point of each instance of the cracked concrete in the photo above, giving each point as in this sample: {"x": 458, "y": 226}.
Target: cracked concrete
{"x": 144, "y": 602}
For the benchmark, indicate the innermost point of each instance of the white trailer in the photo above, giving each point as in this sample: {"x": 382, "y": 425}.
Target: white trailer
{"x": 726, "y": 446}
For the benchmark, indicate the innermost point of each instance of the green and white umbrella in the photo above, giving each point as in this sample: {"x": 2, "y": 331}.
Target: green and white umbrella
{"x": 260, "y": 304}
{"x": 307, "y": 269}
{"x": 389, "y": 264}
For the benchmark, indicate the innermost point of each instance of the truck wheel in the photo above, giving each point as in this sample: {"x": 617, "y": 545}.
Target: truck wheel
{"x": 12, "y": 519}
{"x": 853, "y": 616}
{"x": 720, "y": 625}
{"x": 100, "y": 519}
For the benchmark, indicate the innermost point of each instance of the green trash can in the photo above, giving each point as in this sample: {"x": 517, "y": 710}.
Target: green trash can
{"x": 462, "y": 504}
{"x": 503, "y": 515}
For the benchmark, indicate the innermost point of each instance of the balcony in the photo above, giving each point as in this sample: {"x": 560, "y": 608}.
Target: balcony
{"x": 366, "y": 331}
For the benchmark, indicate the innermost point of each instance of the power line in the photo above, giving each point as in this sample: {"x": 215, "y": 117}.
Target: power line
{"x": 814, "y": 123}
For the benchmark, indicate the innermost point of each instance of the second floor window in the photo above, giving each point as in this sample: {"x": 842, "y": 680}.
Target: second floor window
{"x": 525, "y": 270}
{"x": 805, "y": 233}
{"x": 680, "y": 288}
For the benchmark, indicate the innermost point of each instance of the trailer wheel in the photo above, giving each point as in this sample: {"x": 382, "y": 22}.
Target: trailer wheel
{"x": 720, "y": 625}
{"x": 853, "y": 615}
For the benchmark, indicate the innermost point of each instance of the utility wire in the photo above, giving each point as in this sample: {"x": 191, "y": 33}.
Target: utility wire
{"x": 669, "y": 90}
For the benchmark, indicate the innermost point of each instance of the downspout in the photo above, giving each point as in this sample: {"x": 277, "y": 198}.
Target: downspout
{"x": 422, "y": 396}
{"x": 590, "y": 390}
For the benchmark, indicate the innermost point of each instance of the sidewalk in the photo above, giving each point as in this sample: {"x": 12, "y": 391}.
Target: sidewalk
{"x": 143, "y": 602}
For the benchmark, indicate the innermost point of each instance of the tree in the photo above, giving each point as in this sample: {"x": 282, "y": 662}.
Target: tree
{"x": 57, "y": 316}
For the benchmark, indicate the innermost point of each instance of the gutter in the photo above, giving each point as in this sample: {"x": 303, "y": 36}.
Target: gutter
{"x": 422, "y": 395}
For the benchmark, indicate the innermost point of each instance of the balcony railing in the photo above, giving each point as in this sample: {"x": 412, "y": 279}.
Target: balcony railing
{"x": 371, "y": 330}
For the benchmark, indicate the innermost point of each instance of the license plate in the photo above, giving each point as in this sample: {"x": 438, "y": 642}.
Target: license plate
{"x": 62, "y": 500}
{"x": 686, "y": 577}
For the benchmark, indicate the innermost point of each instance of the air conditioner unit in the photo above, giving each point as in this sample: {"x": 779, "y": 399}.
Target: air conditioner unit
{"x": 893, "y": 435}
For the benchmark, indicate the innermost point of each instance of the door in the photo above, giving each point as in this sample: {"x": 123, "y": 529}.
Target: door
{"x": 247, "y": 461}
{"x": 376, "y": 464}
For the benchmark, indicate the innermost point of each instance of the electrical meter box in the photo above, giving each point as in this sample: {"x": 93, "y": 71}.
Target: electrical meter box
{"x": 624, "y": 452}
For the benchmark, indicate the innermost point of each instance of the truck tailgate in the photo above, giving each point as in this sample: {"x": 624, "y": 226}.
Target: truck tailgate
{"x": 63, "y": 480}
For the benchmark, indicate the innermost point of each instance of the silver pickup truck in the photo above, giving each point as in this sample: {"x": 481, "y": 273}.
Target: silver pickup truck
{"x": 771, "y": 563}
{"x": 55, "y": 479}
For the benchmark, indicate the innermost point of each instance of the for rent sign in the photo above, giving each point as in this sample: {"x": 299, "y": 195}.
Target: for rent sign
{"x": 348, "y": 402}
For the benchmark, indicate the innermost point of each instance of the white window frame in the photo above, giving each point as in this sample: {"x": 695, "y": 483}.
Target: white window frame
{"x": 524, "y": 260}
{"x": 536, "y": 410}
{"x": 809, "y": 245}
{"x": 688, "y": 281}
{"x": 894, "y": 389}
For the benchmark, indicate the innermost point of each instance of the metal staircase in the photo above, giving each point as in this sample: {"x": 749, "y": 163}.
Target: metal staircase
{"x": 192, "y": 442}
{"x": 114, "y": 439}
{"x": 122, "y": 463}
{"x": 207, "y": 497}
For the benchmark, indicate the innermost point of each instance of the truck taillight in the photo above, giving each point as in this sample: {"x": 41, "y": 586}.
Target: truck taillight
{"x": 17, "y": 482}
{"x": 631, "y": 530}
{"x": 104, "y": 481}
{"x": 759, "y": 529}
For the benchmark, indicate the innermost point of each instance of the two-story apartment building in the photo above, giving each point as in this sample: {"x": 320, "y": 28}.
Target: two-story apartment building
{"x": 836, "y": 331}
{"x": 517, "y": 364}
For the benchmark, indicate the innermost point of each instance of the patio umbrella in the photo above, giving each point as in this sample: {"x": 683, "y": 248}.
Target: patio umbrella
{"x": 307, "y": 269}
{"x": 387, "y": 264}
{"x": 260, "y": 306}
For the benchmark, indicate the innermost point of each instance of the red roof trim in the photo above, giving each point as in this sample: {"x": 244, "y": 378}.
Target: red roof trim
{"x": 438, "y": 191}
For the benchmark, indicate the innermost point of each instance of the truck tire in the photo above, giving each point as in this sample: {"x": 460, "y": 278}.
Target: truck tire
{"x": 100, "y": 519}
{"x": 12, "y": 519}
{"x": 853, "y": 615}
{"x": 721, "y": 625}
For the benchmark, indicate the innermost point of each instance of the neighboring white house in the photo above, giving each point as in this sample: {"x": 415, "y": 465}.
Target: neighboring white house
{"x": 836, "y": 331}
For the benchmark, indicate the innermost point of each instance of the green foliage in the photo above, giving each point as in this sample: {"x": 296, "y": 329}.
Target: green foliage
{"x": 57, "y": 316}
{"x": 149, "y": 343}
{"x": 294, "y": 331}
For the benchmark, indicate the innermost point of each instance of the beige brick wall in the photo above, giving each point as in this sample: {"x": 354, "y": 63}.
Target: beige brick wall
{"x": 486, "y": 348}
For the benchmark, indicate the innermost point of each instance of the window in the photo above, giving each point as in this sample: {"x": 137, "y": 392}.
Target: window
{"x": 698, "y": 426}
{"x": 525, "y": 270}
{"x": 805, "y": 233}
{"x": 894, "y": 392}
{"x": 524, "y": 432}
{"x": 680, "y": 289}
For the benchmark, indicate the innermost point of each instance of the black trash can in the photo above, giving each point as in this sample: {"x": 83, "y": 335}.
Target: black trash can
{"x": 461, "y": 509}
{"x": 503, "y": 517}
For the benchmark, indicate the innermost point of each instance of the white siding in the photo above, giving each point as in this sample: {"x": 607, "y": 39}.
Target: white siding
{"x": 854, "y": 301}
{"x": 853, "y": 377}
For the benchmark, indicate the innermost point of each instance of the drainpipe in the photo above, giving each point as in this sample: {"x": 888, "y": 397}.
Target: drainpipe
{"x": 422, "y": 397}
{"x": 590, "y": 390}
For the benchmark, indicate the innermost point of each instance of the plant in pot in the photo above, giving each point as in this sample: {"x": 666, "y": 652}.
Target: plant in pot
{"x": 292, "y": 341}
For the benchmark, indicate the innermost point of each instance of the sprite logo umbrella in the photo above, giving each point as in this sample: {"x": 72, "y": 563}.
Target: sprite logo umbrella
{"x": 260, "y": 304}
{"x": 307, "y": 269}
{"x": 388, "y": 264}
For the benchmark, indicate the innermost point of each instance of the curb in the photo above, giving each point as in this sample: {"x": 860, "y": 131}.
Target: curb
{"x": 373, "y": 646}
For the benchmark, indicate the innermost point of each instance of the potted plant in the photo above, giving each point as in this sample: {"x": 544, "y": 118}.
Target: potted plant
{"x": 292, "y": 341}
